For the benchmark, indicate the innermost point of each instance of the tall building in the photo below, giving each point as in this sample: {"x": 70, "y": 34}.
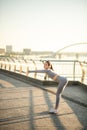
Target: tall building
{"x": 2, "y": 51}
{"x": 27, "y": 51}
{"x": 8, "y": 49}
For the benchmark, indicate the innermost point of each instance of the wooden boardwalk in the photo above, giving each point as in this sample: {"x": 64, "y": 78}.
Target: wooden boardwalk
{"x": 25, "y": 107}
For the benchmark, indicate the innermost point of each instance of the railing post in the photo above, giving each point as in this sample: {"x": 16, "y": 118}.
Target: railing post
{"x": 5, "y": 66}
{"x": 14, "y": 68}
{"x": 20, "y": 69}
{"x": 9, "y": 67}
{"x": 27, "y": 71}
{"x": 35, "y": 74}
{"x": 74, "y": 70}
{"x": 83, "y": 72}
{"x": 1, "y": 65}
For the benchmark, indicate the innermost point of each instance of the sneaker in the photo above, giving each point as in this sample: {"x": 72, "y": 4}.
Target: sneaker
{"x": 53, "y": 111}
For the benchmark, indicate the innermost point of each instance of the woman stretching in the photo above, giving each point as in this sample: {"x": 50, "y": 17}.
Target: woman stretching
{"x": 62, "y": 82}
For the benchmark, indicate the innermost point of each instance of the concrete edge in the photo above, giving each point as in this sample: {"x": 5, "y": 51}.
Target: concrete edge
{"x": 36, "y": 82}
{"x": 75, "y": 101}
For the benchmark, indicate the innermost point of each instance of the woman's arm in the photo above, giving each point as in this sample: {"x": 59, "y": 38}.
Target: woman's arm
{"x": 37, "y": 71}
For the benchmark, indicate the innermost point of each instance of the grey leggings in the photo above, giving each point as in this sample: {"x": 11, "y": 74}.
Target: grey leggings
{"x": 62, "y": 84}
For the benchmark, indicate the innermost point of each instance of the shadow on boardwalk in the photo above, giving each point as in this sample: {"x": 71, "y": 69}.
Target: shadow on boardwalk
{"x": 25, "y": 107}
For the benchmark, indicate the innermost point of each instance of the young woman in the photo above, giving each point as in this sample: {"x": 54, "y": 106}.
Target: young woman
{"x": 62, "y": 82}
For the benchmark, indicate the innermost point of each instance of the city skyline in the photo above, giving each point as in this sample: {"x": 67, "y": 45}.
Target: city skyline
{"x": 47, "y": 25}
{"x": 77, "y": 48}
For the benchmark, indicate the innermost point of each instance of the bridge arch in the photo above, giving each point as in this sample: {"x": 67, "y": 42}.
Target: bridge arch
{"x": 65, "y": 47}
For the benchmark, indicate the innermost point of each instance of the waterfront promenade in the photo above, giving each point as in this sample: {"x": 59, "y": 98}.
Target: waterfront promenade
{"x": 25, "y": 107}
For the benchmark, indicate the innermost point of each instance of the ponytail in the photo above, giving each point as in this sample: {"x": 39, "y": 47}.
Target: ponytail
{"x": 51, "y": 67}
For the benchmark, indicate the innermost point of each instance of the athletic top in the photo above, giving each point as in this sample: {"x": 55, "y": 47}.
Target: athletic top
{"x": 49, "y": 72}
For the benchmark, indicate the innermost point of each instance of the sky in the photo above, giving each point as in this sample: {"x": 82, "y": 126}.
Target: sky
{"x": 42, "y": 25}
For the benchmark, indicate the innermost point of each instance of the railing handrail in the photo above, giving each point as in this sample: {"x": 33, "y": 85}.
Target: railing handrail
{"x": 3, "y": 65}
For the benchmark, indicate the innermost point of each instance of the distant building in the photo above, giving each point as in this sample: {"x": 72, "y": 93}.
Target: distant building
{"x": 2, "y": 51}
{"x": 8, "y": 49}
{"x": 27, "y": 51}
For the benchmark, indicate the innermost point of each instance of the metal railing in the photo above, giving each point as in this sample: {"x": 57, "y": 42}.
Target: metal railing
{"x": 72, "y": 69}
